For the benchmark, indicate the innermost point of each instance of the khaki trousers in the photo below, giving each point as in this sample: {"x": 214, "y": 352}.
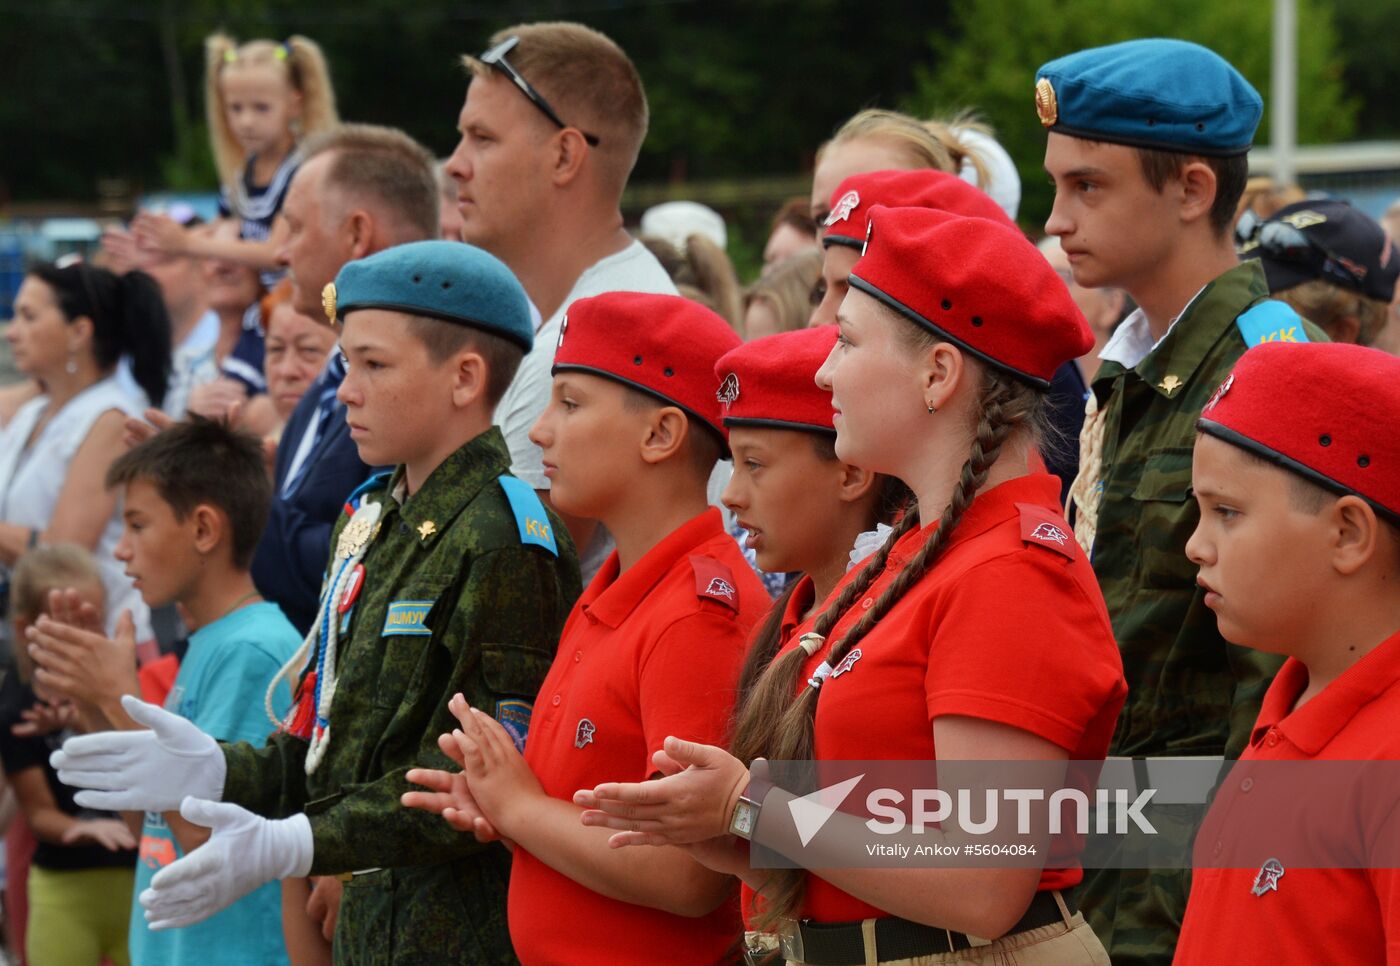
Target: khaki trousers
{"x": 1069, "y": 942}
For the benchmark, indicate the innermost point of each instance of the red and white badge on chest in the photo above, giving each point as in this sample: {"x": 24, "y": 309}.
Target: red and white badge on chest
{"x": 352, "y": 589}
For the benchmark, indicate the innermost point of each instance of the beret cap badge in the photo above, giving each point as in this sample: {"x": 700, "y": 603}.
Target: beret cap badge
{"x": 328, "y": 301}
{"x": 840, "y": 211}
{"x": 728, "y": 389}
{"x": 1046, "y": 104}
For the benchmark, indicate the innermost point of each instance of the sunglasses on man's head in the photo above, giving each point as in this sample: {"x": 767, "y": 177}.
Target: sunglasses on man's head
{"x": 1283, "y": 242}
{"x": 496, "y": 57}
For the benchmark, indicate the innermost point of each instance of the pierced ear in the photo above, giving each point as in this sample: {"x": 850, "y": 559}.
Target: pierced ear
{"x": 80, "y": 331}
{"x": 209, "y": 527}
{"x": 665, "y": 435}
{"x": 944, "y": 366}
{"x": 1356, "y": 532}
{"x": 469, "y": 378}
{"x": 1198, "y": 187}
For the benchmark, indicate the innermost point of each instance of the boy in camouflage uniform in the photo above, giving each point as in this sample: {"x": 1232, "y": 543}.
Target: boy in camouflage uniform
{"x": 1147, "y": 143}
{"x": 447, "y": 575}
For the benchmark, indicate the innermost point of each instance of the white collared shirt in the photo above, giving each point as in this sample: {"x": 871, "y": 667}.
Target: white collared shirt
{"x": 1132, "y": 341}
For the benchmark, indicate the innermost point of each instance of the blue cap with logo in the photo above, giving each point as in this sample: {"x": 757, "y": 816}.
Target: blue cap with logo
{"x": 1155, "y": 93}
{"x": 446, "y": 280}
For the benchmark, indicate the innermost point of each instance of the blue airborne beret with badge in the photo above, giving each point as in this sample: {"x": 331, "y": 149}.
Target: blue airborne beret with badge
{"x": 446, "y": 280}
{"x": 1156, "y": 93}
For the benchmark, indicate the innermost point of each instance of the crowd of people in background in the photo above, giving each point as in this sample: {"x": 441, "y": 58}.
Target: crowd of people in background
{"x": 196, "y": 432}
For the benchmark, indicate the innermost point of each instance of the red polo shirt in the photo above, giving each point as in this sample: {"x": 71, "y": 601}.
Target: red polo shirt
{"x": 1008, "y": 626}
{"x": 652, "y": 652}
{"x": 1347, "y": 916}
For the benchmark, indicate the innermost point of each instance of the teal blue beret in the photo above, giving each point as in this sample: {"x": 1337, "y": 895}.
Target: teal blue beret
{"x": 446, "y": 280}
{"x": 1165, "y": 94}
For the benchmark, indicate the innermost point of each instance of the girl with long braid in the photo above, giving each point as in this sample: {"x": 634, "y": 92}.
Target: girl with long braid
{"x": 976, "y": 633}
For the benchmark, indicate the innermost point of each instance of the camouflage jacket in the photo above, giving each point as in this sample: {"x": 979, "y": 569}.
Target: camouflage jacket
{"x": 1189, "y": 692}
{"x": 486, "y": 616}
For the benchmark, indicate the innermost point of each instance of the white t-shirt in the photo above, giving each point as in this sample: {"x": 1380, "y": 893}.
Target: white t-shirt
{"x": 634, "y": 269}
{"x": 32, "y": 477}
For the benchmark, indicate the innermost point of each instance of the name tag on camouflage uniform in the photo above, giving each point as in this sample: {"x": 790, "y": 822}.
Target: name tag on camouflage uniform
{"x": 407, "y": 616}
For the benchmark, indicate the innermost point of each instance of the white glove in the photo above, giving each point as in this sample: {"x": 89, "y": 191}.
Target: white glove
{"x": 142, "y": 771}
{"x": 244, "y": 852}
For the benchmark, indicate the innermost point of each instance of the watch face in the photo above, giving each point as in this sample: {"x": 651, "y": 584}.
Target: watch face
{"x": 742, "y": 824}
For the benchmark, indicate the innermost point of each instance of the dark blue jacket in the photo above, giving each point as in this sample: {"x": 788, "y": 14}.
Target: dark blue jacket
{"x": 291, "y": 558}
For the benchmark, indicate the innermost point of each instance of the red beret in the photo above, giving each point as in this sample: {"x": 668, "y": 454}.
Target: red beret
{"x": 975, "y": 283}
{"x": 773, "y": 381}
{"x": 1323, "y": 410}
{"x": 922, "y": 188}
{"x": 664, "y": 345}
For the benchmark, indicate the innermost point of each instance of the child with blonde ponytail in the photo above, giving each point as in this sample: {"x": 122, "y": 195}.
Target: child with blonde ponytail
{"x": 976, "y": 632}
{"x": 262, "y": 98}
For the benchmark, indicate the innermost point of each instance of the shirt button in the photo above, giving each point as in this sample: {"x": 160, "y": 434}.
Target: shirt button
{"x": 578, "y": 656}
{"x": 1218, "y": 848}
{"x": 868, "y": 603}
{"x": 556, "y": 700}
{"x": 1272, "y": 739}
{"x": 1247, "y": 784}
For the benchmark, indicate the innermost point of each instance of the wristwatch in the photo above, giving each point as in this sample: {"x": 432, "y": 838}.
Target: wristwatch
{"x": 745, "y": 818}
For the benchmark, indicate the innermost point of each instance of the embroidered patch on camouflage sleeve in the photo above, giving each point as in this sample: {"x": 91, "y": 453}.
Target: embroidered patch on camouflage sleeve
{"x": 514, "y": 716}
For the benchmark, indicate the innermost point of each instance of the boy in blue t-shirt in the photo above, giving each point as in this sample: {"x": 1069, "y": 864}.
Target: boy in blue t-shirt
{"x": 195, "y": 500}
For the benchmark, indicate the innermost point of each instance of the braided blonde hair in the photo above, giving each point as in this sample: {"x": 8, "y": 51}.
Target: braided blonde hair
{"x": 776, "y": 725}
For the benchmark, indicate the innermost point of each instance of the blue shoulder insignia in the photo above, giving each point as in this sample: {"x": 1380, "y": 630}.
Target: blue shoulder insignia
{"x": 376, "y": 480}
{"x": 1271, "y": 321}
{"x": 530, "y": 515}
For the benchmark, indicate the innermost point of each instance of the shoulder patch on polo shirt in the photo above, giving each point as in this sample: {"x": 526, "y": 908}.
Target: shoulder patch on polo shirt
{"x": 1046, "y": 528}
{"x": 715, "y": 581}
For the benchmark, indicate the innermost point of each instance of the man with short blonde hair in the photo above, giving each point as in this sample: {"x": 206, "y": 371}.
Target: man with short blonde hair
{"x": 554, "y": 119}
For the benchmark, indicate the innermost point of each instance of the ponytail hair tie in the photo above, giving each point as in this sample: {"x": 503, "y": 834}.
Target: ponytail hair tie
{"x": 811, "y": 643}
{"x": 284, "y": 50}
{"x": 822, "y": 673}
{"x": 231, "y": 56}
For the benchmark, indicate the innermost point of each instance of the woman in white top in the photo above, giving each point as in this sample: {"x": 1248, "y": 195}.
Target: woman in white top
{"x": 71, "y": 325}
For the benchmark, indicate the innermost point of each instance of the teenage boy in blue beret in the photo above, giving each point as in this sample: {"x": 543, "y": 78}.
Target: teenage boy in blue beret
{"x": 1146, "y": 146}
{"x": 448, "y": 576}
